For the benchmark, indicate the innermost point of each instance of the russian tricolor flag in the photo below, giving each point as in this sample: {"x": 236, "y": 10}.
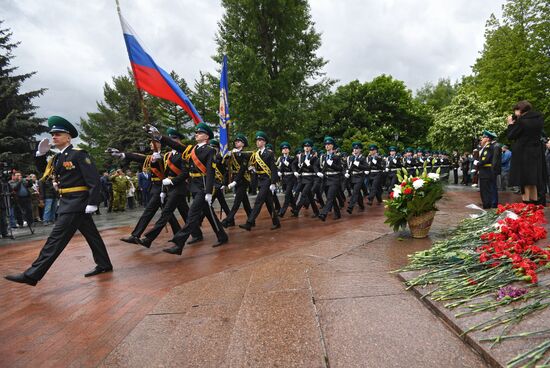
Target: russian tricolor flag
{"x": 150, "y": 77}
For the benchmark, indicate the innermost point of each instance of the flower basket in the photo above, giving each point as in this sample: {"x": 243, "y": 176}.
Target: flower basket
{"x": 420, "y": 225}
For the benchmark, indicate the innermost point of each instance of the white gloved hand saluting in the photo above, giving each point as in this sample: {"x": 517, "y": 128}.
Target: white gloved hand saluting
{"x": 232, "y": 185}
{"x": 90, "y": 209}
{"x": 167, "y": 181}
{"x": 208, "y": 198}
{"x": 272, "y": 187}
{"x": 43, "y": 147}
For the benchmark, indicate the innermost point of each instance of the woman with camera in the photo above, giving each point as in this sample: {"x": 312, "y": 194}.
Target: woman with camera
{"x": 528, "y": 168}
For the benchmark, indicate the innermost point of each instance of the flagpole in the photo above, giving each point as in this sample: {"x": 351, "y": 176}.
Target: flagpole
{"x": 140, "y": 92}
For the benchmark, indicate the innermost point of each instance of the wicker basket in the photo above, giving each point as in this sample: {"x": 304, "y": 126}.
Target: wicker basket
{"x": 420, "y": 225}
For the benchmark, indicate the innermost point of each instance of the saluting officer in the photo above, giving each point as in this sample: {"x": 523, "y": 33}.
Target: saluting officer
{"x": 330, "y": 168}
{"x": 262, "y": 162}
{"x": 77, "y": 181}
{"x": 286, "y": 173}
{"x": 376, "y": 171}
{"x": 239, "y": 178}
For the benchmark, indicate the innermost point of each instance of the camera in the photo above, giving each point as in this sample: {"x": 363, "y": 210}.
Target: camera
{"x": 5, "y": 173}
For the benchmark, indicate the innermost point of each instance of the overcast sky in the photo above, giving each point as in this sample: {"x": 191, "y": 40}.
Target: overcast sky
{"x": 77, "y": 45}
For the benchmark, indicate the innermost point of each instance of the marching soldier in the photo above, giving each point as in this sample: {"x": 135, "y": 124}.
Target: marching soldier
{"x": 330, "y": 169}
{"x": 357, "y": 165}
{"x": 262, "y": 162}
{"x": 77, "y": 181}
{"x": 318, "y": 183}
{"x": 393, "y": 164}
{"x": 304, "y": 169}
{"x": 376, "y": 171}
{"x": 286, "y": 173}
{"x": 239, "y": 179}
{"x": 219, "y": 178}
{"x": 409, "y": 161}
{"x": 154, "y": 165}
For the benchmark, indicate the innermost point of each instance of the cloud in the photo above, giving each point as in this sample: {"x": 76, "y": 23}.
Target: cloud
{"x": 77, "y": 46}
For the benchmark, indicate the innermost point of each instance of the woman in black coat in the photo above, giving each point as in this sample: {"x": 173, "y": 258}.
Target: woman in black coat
{"x": 528, "y": 167}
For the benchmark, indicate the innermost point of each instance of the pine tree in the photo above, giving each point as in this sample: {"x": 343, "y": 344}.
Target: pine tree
{"x": 273, "y": 68}
{"x": 18, "y": 123}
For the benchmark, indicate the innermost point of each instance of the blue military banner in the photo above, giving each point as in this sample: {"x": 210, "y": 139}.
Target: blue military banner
{"x": 224, "y": 109}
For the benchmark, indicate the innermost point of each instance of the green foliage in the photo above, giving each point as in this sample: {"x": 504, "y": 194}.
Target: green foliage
{"x": 460, "y": 123}
{"x": 18, "y": 123}
{"x": 274, "y": 73}
{"x": 515, "y": 62}
{"x": 437, "y": 96}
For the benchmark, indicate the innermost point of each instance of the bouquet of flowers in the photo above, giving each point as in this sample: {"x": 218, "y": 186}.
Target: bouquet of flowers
{"x": 413, "y": 196}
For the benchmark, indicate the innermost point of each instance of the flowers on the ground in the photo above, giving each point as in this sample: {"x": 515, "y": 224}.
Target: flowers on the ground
{"x": 510, "y": 292}
{"x": 413, "y": 196}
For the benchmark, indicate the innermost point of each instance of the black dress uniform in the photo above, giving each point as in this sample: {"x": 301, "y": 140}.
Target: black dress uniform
{"x": 202, "y": 171}
{"x": 330, "y": 166}
{"x": 237, "y": 168}
{"x": 285, "y": 165}
{"x": 79, "y": 186}
{"x": 357, "y": 165}
{"x": 376, "y": 175}
{"x": 304, "y": 167}
{"x": 156, "y": 168}
{"x": 394, "y": 163}
{"x": 486, "y": 176}
{"x": 263, "y": 163}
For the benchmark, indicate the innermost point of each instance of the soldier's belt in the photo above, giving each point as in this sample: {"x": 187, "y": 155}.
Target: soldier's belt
{"x": 375, "y": 171}
{"x": 196, "y": 175}
{"x": 156, "y": 179}
{"x": 394, "y": 170}
{"x": 307, "y": 174}
{"x": 487, "y": 165}
{"x": 288, "y": 173}
{"x": 73, "y": 189}
{"x": 332, "y": 173}
{"x": 358, "y": 173}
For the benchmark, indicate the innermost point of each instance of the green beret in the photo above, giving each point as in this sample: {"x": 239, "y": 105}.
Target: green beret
{"x": 241, "y": 137}
{"x": 307, "y": 142}
{"x": 357, "y": 145}
{"x": 284, "y": 144}
{"x": 373, "y": 147}
{"x": 489, "y": 134}
{"x": 261, "y": 135}
{"x": 204, "y": 128}
{"x": 214, "y": 143}
{"x": 328, "y": 140}
{"x": 59, "y": 124}
{"x": 392, "y": 148}
{"x": 172, "y": 132}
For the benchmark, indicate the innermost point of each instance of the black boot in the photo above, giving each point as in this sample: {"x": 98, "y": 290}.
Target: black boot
{"x": 247, "y": 226}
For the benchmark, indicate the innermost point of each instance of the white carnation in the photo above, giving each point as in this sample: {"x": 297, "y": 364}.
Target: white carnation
{"x": 417, "y": 184}
{"x": 434, "y": 176}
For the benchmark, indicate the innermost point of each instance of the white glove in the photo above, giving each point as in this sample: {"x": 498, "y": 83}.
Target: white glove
{"x": 235, "y": 150}
{"x": 356, "y": 163}
{"x": 156, "y": 156}
{"x": 286, "y": 163}
{"x": 346, "y": 175}
{"x": 208, "y": 198}
{"x": 115, "y": 153}
{"x": 476, "y": 162}
{"x": 90, "y": 209}
{"x": 367, "y": 172}
{"x": 150, "y": 129}
{"x": 307, "y": 162}
{"x": 162, "y": 197}
{"x": 251, "y": 168}
{"x": 320, "y": 174}
{"x": 232, "y": 185}
{"x": 167, "y": 181}
{"x": 279, "y": 173}
{"x": 43, "y": 147}
{"x": 394, "y": 161}
{"x": 296, "y": 174}
{"x": 329, "y": 162}
{"x": 387, "y": 170}
{"x": 374, "y": 162}
{"x": 222, "y": 187}
{"x": 272, "y": 187}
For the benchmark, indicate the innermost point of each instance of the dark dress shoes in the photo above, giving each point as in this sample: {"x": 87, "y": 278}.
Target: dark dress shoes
{"x": 294, "y": 213}
{"x": 146, "y": 242}
{"x": 337, "y": 216}
{"x": 349, "y": 210}
{"x": 275, "y": 226}
{"x": 97, "y": 270}
{"x": 131, "y": 239}
{"x": 228, "y": 223}
{"x": 22, "y": 279}
{"x": 195, "y": 240}
{"x": 315, "y": 215}
{"x": 176, "y": 249}
{"x": 220, "y": 242}
{"x": 322, "y": 217}
{"x": 246, "y": 226}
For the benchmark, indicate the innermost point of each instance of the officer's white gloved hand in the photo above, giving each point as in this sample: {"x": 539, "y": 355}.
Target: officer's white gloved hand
{"x": 356, "y": 163}
{"x": 235, "y": 150}
{"x": 167, "y": 181}
{"x": 296, "y": 174}
{"x": 43, "y": 147}
{"x": 476, "y": 162}
{"x": 90, "y": 209}
{"x": 367, "y": 172}
{"x": 162, "y": 197}
{"x": 272, "y": 187}
{"x": 251, "y": 169}
{"x": 222, "y": 187}
{"x": 208, "y": 198}
{"x": 346, "y": 175}
{"x": 320, "y": 174}
{"x": 232, "y": 185}
{"x": 280, "y": 174}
